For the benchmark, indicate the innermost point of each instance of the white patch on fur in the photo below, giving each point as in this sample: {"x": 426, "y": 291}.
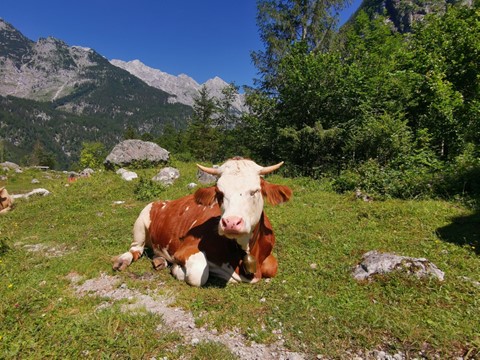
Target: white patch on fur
{"x": 191, "y": 226}
{"x": 197, "y": 269}
{"x": 126, "y": 258}
{"x": 178, "y": 272}
{"x": 140, "y": 230}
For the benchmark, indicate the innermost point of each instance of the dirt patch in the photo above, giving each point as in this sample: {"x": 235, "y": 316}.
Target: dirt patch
{"x": 47, "y": 250}
{"x": 176, "y": 319}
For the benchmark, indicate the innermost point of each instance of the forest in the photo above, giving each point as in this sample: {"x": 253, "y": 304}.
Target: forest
{"x": 395, "y": 114}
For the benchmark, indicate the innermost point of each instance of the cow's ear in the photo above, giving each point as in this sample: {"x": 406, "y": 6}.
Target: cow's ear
{"x": 205, "y": 196}
{"x": 275, "y": 194}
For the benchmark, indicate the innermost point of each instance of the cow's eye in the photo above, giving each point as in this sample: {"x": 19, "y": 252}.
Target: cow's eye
{"x": 219, "y": 196}
{"x": 254, "y": 192}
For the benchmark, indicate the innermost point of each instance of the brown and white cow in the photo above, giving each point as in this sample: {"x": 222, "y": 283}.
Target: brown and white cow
{"x": 6, "y": 201}
{"x": 220, "y": 230}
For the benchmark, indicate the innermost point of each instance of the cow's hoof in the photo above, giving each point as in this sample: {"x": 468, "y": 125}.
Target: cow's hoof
{"x": 120, "y": 264}
{"x": 159, "y": 263}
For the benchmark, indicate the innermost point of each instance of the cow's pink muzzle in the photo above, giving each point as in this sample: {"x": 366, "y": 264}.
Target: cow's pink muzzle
{"x": 232, "y": 225}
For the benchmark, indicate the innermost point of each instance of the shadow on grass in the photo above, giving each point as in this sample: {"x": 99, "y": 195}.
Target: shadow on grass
{"x": 3, "y": 246}
{"x": 212, "y": 282}
{"x": 463, "y": 231}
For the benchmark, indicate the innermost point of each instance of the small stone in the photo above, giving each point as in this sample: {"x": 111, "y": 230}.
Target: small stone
{"x": 191, "y": 186}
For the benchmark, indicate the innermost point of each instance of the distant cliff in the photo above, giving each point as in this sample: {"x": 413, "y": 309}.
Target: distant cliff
{"x": 404, "y": 13}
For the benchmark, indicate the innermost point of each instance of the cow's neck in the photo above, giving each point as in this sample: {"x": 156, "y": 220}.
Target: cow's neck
{"x": 247, "y": 242}
{"x": 244, "y": 242}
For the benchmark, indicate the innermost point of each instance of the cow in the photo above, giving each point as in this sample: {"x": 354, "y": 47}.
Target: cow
{"x": 6, "y": 201}
{"x": 220, "y": 230}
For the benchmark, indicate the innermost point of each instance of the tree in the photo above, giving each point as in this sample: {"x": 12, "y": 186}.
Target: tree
{"x": 445, "y": 53}
{"x": 130, "y": 133}
{"x": 202, "y": 136}
{"x": 41, "y": 157}
{"x": 282, "y": 23}
{"x": 226, "y": 116}
{"x": 92, "y": 155}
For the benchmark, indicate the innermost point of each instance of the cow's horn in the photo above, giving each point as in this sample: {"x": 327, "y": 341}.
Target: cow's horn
{"x": 211, "y": 171}
{"x": 268, "y": 169}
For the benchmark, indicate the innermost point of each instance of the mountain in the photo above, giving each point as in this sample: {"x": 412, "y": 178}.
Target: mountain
{"x": 404, "y": 13}
{"x": 183, "y": 88}
{"x": 70, "y": 86}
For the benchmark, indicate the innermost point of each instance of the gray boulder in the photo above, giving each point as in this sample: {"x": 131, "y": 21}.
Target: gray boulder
{"x": 8, "y": 165}
{"x": 167, "y": 176}
{"x": 129, "y": 152}
{"x": 204, "y": 178}
{"x": 87, "y": 172}
{"x": 126, "y": 174}
{"x": 374, "y": 263}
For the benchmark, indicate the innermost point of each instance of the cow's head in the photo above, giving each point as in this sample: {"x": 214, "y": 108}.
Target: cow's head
{"x": 240, "y": 192}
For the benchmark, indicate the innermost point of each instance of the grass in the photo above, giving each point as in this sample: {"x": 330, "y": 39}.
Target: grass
{"x": 313, "y": 304}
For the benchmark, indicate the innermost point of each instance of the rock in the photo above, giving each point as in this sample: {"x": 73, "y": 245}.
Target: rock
{"x": 204, "y": 178}
{"x": 167, "y": 176}
{"x": 134, "y": 151}
{"x": 87, "y": 172}
{"x": 191, "y": 186}
{"x": 129, "y": 175}
{"x": 35, "y": 181}
{"x": 374, "y": 263}
{"x": 40, "y": 191}
{"x": 8, "y": 165}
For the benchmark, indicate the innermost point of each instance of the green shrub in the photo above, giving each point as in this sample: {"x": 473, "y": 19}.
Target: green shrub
{"x": 148, "y": 190}
{"x": 415, "y": 181}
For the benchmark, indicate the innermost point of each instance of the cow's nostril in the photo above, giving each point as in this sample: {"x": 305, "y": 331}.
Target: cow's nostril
{"x": 232, "y": 223}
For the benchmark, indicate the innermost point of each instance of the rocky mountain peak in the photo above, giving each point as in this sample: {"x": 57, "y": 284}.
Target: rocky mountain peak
{"x": 12, "y": 42}
{"x": 183, "y": 88}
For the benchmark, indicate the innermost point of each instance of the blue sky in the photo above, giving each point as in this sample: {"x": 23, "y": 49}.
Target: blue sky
{"x": 202, "y": 39}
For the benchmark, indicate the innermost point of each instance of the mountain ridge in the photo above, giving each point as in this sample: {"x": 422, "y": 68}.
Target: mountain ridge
{"x": 77, "y": 86}
{"x": 183, "y": 88}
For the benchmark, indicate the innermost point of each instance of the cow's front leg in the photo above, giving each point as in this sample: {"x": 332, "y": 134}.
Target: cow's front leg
{"x": 140, "y": 238}
{"x": 191, "y": 266}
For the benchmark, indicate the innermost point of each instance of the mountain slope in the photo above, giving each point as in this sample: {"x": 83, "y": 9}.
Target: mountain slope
{"x": 73, "y": 86}
{"x": 76, "y": 79}
{"x": 184, "y": 88}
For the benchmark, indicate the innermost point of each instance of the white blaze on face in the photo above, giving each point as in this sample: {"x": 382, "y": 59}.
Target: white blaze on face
{"x": 242, "y": 201}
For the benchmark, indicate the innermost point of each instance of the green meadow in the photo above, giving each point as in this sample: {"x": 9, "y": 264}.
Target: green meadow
{"x": 313, "y": 304}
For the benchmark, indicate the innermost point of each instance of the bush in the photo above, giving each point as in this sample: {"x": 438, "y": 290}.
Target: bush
{"x": 148, "y": 190}
{"x": 461, "y": 176}
{"x": 388, "y": 181}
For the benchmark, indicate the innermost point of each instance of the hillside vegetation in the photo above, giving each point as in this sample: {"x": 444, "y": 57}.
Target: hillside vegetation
{"x": 314, "y": 305}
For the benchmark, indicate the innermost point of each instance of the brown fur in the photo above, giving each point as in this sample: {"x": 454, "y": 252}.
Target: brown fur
{"x": 190, "y": 224}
